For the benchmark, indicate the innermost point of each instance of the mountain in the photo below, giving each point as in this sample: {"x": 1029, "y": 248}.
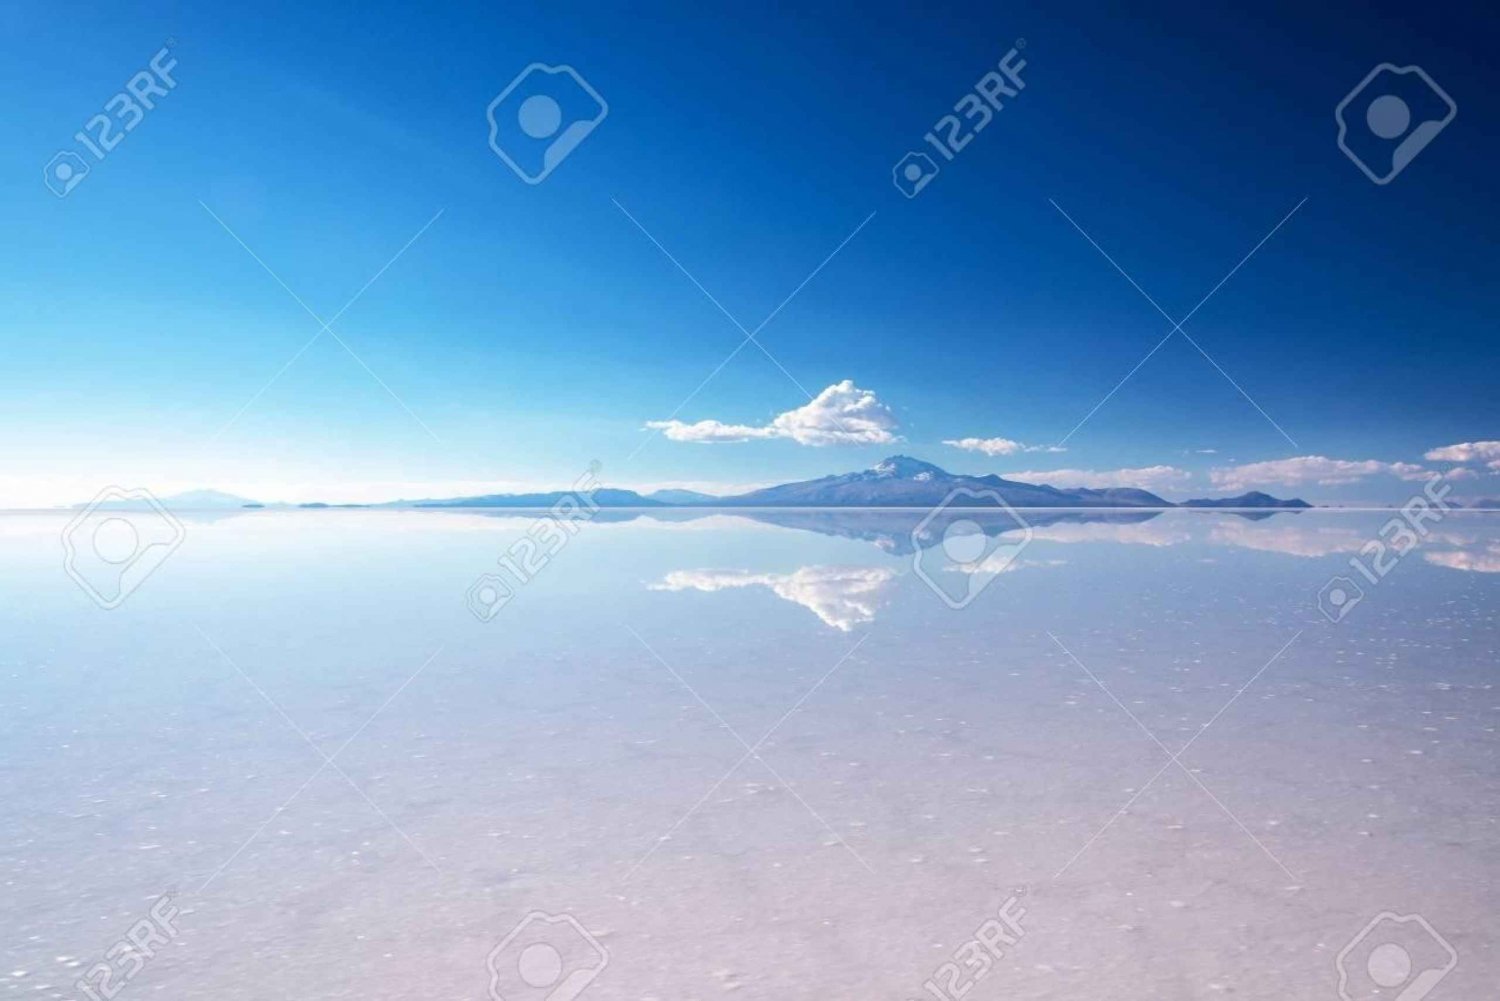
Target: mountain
{"x": 1487, "y": 504}
{"x": 902, "y": 481}
{"x": 603, "y": 497}
{"x": 192, "y": 500}
{"x": 682, "y": 497}
{"x": 1249, "y": 500}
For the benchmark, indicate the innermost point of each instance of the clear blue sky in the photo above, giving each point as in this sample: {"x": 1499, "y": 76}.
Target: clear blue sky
{"x": 535, "y": 328}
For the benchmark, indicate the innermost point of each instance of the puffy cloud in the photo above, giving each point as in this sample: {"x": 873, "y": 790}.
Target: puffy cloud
{"x": 1467, "y": 451}
{"x": 842, "y": 414}
{"x": 843, "y": 597}
{"x": 709, "y": 432}
{"x": 998, "y": 446}
{"x": 1305, "y": 469}
{"x": 1146, "y": 477}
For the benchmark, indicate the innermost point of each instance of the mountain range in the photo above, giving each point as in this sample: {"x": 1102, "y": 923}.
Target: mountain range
{"x": 897, "y": 482}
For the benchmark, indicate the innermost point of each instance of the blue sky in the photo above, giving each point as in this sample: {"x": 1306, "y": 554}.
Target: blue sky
{"x": 530, "y": 329}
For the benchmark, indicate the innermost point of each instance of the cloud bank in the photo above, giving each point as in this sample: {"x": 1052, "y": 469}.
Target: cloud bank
{"x": 1467, "y": 451}
{"x": 1310, "y": 469}
{"x": 1147, "y": 477}
{"x": 842, "y": 414}
{"x": 998, "y": 446}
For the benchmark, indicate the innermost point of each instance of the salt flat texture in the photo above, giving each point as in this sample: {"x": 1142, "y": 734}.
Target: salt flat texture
{"x": 586, "y": 752}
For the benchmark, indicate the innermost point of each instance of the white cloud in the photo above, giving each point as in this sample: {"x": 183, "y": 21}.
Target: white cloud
{"x": 1146, "y": 477}
{"x": 998, "y": 446}
{"x": 843, "y": 597}
{"x": 1305, "y": 469}
{"x": 709, "y": 432}
{"x": 1467, "y": 451}
{"x": 842, "y": 414}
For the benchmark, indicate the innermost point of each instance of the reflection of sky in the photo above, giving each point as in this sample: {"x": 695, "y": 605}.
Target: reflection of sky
{"x": 538, "y": 757}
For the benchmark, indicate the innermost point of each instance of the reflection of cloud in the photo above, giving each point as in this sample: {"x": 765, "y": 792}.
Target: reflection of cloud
{"x": 1154, "y": 533}
{"x": 1002, "y": 560}
{"x": 842, "y": 414}
{"x": 1291, "y": 538}
{"x": 1479, "y": 558}
{"x": 843, "y": 597}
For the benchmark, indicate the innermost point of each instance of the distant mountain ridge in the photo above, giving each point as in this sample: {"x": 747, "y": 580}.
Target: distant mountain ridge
{"x": 1253, "y": 499}
{"x": 901, "y": 481}
{"x": 897, "y": 482}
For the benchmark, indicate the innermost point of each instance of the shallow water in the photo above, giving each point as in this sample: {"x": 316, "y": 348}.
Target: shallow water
{"x": 587, "y": 752}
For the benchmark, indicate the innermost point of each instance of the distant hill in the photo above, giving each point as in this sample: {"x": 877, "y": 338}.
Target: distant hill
{"x": 902, "y": 481}
{"x": 682, "y": 497}
{"x": 1253, "y": 499}
{"x": 192, "y": 500}
{"x": 604, "y": 497}
{"x": 899, "y": 481}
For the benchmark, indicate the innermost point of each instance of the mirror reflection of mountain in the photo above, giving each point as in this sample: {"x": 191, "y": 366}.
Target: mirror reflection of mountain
{"x": 843, "y": 597}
